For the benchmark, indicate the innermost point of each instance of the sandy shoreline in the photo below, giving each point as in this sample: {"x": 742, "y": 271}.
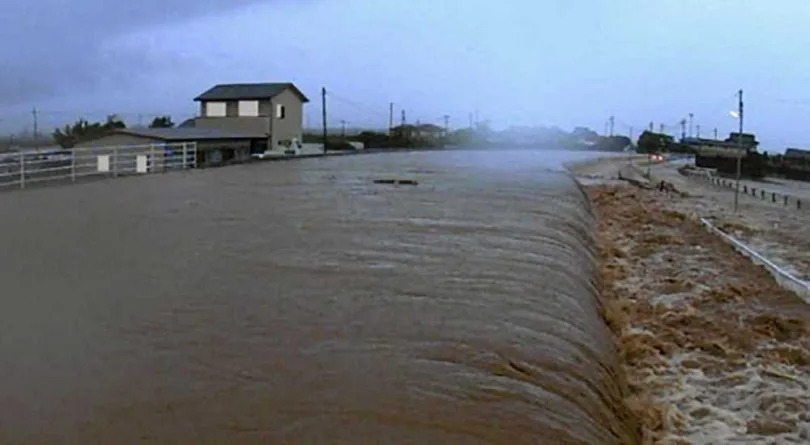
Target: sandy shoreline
{"x": 713, "y": 350}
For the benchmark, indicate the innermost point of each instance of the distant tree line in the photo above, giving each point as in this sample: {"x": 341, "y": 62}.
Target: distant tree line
{"x": 83, "y": 130}
{"x": 162, "y": 122}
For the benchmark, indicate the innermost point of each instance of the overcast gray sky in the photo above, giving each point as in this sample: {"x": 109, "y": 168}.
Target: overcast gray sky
{"x": 524, "y": 62}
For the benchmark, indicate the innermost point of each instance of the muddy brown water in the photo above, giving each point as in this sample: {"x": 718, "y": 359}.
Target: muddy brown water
{"x": 300, "y": 302}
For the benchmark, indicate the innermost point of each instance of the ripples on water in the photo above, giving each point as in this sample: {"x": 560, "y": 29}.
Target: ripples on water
{"x": 301, "y": 302}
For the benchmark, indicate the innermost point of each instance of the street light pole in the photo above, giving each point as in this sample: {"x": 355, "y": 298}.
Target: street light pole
{"x": 739, "y": 153}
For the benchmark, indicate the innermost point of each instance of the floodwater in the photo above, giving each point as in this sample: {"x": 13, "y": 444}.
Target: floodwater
{"x": 301, "y": 302}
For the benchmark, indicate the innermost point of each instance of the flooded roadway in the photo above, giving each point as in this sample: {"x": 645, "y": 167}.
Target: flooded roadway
{"x": 300, "y": 302}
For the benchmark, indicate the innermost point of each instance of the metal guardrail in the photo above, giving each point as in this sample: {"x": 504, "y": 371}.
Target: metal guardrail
{"x": 22, "y": 168}
{"x": 755, "y": 192}
{"x": 783, "y": 277}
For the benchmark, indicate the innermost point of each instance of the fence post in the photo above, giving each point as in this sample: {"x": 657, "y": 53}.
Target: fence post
{"x": 798, "y": 204}
{"x": 185, "y": 155}
{"x": 115, "y": 162}
{"x": 745, "y": 189}
{"x": 753, "y": 192}
{"x": 773, "y": 197}
{"x": 73, "y": 164}
{"x": 786, "y": 200}
{"x": 22, "y": 169}
{"x": 762, "y": 193}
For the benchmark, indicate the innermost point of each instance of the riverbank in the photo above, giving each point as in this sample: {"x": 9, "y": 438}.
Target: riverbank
{"x": 778, "y": 232}
{"x": 713, "y": 349}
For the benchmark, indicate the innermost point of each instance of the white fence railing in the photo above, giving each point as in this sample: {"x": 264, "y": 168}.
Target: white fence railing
{"x": 25, "y": 167}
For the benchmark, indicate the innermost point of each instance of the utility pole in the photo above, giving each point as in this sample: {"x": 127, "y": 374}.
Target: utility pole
{"x": 697, "y": 127}
{"x": 612, "y": 120}
{"x": 342, "y": 129}
{"x": 323, "y": 109}
{"x": 683, "y": 129}
{"x": 715, "y": 134}
{"x": 739, "y": 154}
{"x": 661, "y": 128}
{"x": 390, "y": 118}
{"x": 446, "y": 124}
{"x": 403, "y": 118}
{"x": 652, "y": 127}
{"x": 36, "y": 127}
{"x": 691, "y": 116}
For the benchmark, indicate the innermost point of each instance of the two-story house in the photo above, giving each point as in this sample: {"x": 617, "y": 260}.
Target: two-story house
{"x": 235, "y": 121}
{"x": 274, "y": 111}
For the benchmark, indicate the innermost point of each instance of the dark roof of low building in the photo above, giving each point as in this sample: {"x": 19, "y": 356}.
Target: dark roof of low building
{"x": 797, "y": 153}
{"x": 698, "y": 141}
{"x": 187, "y": 134}
{"x": 703, "y": 142}
{"x": 421, "y": 127}
{"x": 188, "y": 123}
{"x": 244, "y": 91}
{"x": 429, "y": 127}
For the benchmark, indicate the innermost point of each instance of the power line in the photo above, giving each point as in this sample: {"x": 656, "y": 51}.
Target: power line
{"x": 362, "y": 107}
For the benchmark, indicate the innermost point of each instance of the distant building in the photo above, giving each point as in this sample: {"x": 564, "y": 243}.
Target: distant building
{"x": 214, "y": 146}
{"x": 796, "y": 164}
{"x": 749, "y": 142}
{"x": 236, "y": 120}
{"x": 726, "y": 154}
{"x": 424, "y": 133}
{"x": 797, "y": 154}
{"x": 272, "y": 110}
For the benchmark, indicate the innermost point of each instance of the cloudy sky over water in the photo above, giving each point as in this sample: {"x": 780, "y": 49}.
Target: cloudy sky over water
{"x": 548, "y": 62}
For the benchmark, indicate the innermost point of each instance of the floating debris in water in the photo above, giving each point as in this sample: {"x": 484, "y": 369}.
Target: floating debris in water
{"x": 396, "y": 181}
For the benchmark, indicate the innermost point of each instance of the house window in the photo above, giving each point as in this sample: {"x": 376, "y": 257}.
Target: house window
{"x": 215, "y": 109}
{"x": 281, "y": 111}
{"x": 248, "y": 108}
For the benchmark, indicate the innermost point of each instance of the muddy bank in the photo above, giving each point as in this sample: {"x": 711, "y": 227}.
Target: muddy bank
{"x": 714, "y": 350}
{"x": 315, "y": 301}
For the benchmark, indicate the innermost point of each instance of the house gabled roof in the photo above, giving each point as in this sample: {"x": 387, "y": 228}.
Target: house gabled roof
{"x": 248, "y": 91}
{"x": 187, "y": 134}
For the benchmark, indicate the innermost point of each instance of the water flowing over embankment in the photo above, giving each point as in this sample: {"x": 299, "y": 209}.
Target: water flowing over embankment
{"x": 305, "y": 302}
